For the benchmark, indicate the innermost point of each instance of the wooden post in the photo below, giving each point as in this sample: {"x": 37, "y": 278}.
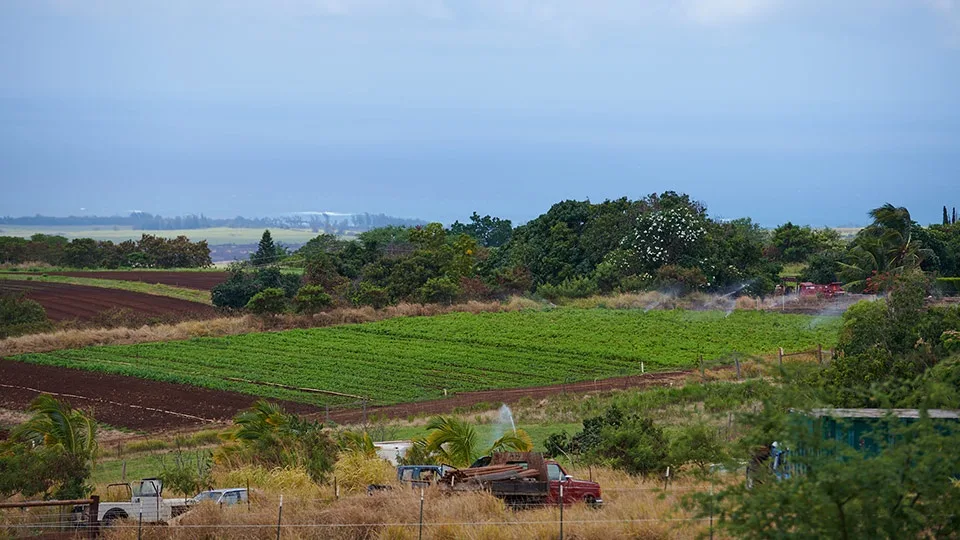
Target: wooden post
{"x": 780, "y": 356}
{"x": 93, "y": 524}
{"x": 702, "y": 376}
{"x": 820, "y": 353}
{"x": 736, "y": 362}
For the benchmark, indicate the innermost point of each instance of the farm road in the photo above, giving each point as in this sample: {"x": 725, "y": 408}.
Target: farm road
{"x": 152, "y": 406}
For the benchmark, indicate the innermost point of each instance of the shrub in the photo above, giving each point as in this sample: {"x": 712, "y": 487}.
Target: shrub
{"x": 948, "y": 286}
{"x": 441, "y": 290}
{"x": 268, "y": 301}
{"x": 19, "y": 315}
{"x": 683, "y": 280}
{"x": 356, "y": 470}
{"x": 312, "y": 298}
{"x": 698, "y": 444}
{"x": 579, "y": 287}
{"x": 368, "y": 294}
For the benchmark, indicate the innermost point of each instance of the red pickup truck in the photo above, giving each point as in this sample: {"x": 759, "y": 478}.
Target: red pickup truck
{"x": 522, "y": 479}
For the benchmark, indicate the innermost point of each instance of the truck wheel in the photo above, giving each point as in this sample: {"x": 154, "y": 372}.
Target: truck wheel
{"x": 112, "y": 515}
{"x": 591, "y": 501}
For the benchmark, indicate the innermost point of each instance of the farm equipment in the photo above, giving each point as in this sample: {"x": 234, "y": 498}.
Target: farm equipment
{"x": 522, "y": 479}
{"x": 147, "y": 499}
{"x": 826, "y": 291}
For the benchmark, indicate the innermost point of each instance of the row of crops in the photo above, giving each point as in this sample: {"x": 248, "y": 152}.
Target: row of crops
{"x": 410, "y": 359}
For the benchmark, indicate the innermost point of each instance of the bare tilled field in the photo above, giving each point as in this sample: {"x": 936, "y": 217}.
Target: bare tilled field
{"x": 190, "y": 280}
{"x": 64, "y": 302}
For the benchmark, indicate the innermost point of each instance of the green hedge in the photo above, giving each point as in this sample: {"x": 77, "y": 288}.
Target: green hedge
{"x": 949, "y": 286}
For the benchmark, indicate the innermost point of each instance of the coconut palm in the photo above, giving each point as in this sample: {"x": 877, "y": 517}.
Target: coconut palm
{"x": 56, "y": 425}
{"x": 457, "y": 443}
{"x": 883, "y": 250}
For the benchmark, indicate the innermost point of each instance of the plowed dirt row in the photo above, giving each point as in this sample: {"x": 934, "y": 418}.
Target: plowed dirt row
{"x": 156, "y": 406}
{"x": 190, "y": 280}
{"x": 66, "y": 302}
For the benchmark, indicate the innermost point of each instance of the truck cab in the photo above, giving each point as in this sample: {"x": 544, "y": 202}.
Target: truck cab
{"x": 420, "y": 475}
{"x": 573, "y": 490}
{"x": 146, "y": 497}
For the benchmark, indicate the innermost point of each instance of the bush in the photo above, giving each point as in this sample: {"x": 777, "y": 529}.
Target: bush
{"x": 948, "y": 286}
{"x": 698, "y": 444}
{"x": 19, "y": 315}
{"x": 268, "y": 301}
{"x": 578, "y": 287}
{"x": 355, "y": 471}
{"x": 630, "y": 443}
{"x": 312, "y": 298}
{"x": 368, "y": 294}
{"x": 441, "y": 290}
{"x": 683, "y": 280}
{"x": 236, "y": 291}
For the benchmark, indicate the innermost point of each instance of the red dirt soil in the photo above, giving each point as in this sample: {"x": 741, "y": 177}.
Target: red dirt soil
{"x": 124, "y": 401}
{"x": 156, "y": 406}
{"x": 64, "y": 302}
{"x": 190, "y": 280}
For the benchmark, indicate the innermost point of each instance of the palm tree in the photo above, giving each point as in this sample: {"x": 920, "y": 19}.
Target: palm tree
{"x": 884, "y": 249}
{"x": 57, "y": 425}
{"x": 457, "y": 443}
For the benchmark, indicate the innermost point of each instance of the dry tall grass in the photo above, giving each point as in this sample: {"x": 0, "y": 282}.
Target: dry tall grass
{"x": 632, "y": 509}
{"x": 227, "y": 326}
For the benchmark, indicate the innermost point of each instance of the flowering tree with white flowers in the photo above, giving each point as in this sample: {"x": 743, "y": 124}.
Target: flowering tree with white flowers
{"x": 665, "y": 237}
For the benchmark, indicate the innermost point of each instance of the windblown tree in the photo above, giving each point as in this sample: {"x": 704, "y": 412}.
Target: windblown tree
{"x": 51, "y": 453}
{"x": 882, "y": 251}
{"x": 268, "y": 436}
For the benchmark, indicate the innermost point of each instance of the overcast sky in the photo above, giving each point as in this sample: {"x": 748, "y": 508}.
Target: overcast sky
{"x": 813, "y": 111}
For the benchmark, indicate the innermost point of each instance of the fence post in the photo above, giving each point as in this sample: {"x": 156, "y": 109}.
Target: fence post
{"x": 820, "y": 353}
{"x": 279, "y": 516}
{"x": 666, "y": 478}
{"x": 364, "y": 411}
{"x": 140, "y": 522}
{"x": 248, "y": 495}
{"x": 736, "y": 362}
{"x": 93, "y": 523}
{"x": 336, "y": 489}
{"x": 780, "y": 356}
{"x": 561, "y": 510}
{"x": 711, "y": 508}
{"x": 702, "y": 375}
{"x": 421, "y": 514}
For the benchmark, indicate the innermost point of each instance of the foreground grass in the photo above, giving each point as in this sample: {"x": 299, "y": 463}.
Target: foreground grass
{"x": 409, "y": 359}
{"x": 632, "y": 509}
{"x": 156, "y": 289}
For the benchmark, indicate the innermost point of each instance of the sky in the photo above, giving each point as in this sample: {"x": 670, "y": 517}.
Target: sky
{"x": 812, "y": 111}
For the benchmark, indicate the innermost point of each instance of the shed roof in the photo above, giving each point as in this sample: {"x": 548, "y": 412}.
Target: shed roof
{"x": 880, "y": 413}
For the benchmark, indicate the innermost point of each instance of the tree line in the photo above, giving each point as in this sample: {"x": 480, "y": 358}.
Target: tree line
{"x": 147, "y": 252}
{"x": 664, "y": 241}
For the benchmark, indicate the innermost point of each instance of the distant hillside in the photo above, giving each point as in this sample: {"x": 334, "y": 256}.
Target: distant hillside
{"x": 142, "y": 221}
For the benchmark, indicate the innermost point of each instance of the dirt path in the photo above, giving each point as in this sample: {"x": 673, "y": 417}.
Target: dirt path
{"x": 154, "y": 406}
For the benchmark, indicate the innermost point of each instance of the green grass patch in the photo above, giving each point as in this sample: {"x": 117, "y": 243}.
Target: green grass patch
{"x": 410, "y": 359}
{"x": 156, "y": 289}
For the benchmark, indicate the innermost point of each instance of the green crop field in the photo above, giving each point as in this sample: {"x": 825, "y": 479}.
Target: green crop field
{"x": 410, "y": 359}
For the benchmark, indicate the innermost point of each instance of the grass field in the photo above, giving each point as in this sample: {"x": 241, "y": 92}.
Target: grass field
{"x": 410, "y": 359}
{"x": 213, "y": 236}
{"x": 158, "y": 289}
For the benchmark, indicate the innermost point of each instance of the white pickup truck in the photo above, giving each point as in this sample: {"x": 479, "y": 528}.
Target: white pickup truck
{"x": 146, "y": 498}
